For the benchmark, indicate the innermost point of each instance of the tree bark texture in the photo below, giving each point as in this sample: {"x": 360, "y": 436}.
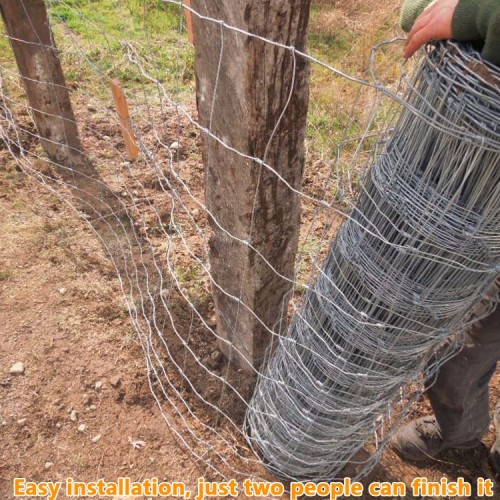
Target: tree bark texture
{"x": 254, "y": 97}
{"x": 36, "y": 55}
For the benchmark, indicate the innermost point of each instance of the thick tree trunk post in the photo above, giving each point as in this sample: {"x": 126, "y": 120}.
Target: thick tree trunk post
{"x": 242, "y": 105}
{"x": 36, "y": 56}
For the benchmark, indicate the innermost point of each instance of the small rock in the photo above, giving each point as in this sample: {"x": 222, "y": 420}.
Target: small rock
{"x": 213, "y": 360}
{"x": 106, "y": 138}
{"x": 86, "y": 399}
{"x": 82, "y": 428}
{"x": 115, "y": 381}
{"x": 93, "y": 407}
{"x": 48, "y": 465}
{"x": 62, "y": 291}
{"x": 96, "y": 438}
{"x": 4, "y": 422}
{"x": 174, "y": 145}
{"x": 91, "y": 108}
{"x": 58, "y": 425}
{"x": 138, "y": 444}
{"x": 21, "y": 422}
{"x": 17, "y": 368}
{"x": 73, "y": 416}
{"x": 98, "y": 385}
{"x": 216, "y": 357}
{"x": 126, "y": 164}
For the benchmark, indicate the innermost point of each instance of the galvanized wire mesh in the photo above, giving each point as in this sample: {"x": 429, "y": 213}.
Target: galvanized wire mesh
{"x": 417, "y": 252}
{"x": 421, "y": 248}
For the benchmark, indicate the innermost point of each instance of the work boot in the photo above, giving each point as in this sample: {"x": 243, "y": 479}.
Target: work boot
{"x": 421, "y": 440}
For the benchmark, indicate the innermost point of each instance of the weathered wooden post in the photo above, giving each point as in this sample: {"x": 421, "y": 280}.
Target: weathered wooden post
{"x": 36, "y": 55}
{"x": 189, "y": 21}
{"x": 243, "y": 91}
{"x": 43, "y": 78}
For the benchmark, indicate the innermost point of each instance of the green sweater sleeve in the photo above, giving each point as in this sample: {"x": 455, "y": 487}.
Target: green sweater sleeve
{"x": 473, "y": 20}
{"x": 410, "y": 11}
{"x": 479, "y": 20}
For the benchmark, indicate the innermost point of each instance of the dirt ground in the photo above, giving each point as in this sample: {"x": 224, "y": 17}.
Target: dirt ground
{"x": 83, "y": 407}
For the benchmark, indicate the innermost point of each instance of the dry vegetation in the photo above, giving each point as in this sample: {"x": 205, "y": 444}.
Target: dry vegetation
{"x": 62, "y": 311}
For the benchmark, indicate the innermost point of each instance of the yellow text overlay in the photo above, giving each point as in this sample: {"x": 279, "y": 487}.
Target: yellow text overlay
{"x": 153, "y": 488}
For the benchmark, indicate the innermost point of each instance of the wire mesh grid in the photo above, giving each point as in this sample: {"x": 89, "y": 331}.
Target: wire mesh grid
{"x": 415, "y": 185}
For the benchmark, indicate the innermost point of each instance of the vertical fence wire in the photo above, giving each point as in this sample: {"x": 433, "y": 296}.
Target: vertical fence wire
{"x": 418, "y": 248}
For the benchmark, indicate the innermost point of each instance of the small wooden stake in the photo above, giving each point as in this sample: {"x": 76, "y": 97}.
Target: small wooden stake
{"x": 125, "y": 124}
{"x": 189, "y": 21}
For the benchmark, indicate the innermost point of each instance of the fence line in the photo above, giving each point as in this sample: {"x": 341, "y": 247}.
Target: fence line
{"x": 151, "y": 217}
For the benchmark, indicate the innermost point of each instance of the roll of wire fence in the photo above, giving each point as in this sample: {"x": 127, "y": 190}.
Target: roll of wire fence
{"x": 402, "y": 275}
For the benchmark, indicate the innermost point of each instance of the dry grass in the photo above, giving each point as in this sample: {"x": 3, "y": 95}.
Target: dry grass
{"x": 342, "y": 34}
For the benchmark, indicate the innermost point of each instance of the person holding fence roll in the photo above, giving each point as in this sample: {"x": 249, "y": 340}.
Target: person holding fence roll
{"x": 459, "y": 392}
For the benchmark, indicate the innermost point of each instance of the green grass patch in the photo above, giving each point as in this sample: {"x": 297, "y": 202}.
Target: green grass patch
{"x": 137, "y": 41}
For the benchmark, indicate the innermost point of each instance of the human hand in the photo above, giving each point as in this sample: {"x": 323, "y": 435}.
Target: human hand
{"x": 433, "y": 24}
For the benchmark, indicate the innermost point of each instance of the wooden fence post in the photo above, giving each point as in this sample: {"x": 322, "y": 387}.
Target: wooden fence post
{"x": 36, "y": 55}
{"x": 189, "y": 22}
{"x": 254, "y": 87}
{"x": 124, "y": 117}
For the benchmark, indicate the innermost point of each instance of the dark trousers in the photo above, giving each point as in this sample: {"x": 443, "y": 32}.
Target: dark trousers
{"x": 459, "y": 392}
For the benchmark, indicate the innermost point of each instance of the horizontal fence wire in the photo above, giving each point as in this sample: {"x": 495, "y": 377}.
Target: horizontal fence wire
{"x": 407, "y": 189}
{"x": 387, "y": 299}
